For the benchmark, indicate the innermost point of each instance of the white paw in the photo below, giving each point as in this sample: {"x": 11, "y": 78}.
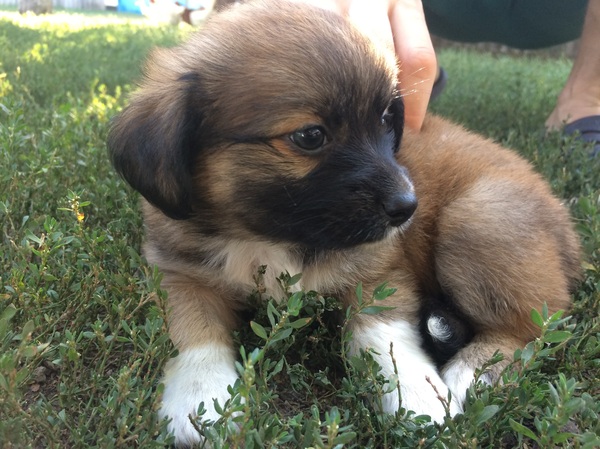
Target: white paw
{"x": 459, "y": 376}
{"x": 196, "y": 375}
{"x": 423, "y": 392}
{"x": 420, "y": 385}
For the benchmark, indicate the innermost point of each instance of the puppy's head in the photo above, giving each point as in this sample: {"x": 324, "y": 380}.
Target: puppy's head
{"x": 276, "y": 121}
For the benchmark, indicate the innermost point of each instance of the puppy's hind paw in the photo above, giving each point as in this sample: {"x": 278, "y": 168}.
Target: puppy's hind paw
{"x": 458, "y": 376}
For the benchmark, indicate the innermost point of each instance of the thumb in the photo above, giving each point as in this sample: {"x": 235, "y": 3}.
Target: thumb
{"x": 418, "y": 63}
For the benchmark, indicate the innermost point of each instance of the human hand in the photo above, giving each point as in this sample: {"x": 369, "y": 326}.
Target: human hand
{"x": 400, "y": 26}
{"x": 418, "y": 63}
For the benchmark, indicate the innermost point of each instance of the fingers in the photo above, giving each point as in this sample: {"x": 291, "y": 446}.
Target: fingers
{"x": 418, "y": 63}
{"x": 371, "y": 17}
{"x": 398, "y": 26}
{"x": 338, "y": 6}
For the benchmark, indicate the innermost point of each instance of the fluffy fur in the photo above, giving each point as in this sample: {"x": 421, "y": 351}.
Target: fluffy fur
{"x": 274, "y": 136}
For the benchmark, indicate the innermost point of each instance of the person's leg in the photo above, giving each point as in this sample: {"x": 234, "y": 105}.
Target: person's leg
{"x": 536, "y": 24}
{"x": 520, "y": 24}
{"x": 581, "y": 95}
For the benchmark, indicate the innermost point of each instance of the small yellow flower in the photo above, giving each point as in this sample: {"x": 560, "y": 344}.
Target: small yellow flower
{"x": 80, "y": 216}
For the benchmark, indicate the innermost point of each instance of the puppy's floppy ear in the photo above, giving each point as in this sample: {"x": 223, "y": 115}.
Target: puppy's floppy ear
{"x": 152, "y": 143}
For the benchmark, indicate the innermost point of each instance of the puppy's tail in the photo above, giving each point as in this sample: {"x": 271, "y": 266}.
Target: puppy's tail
{"x": 444, "y": 331}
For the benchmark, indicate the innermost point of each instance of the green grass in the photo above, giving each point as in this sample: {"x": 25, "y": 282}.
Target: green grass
{"x": 82, "y": 317}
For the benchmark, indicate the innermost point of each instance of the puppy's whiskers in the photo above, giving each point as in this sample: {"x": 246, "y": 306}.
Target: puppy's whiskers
{"x": 414, "y": 87}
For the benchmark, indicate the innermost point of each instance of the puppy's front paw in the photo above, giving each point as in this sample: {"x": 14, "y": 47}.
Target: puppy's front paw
{"x": 421, "y": 387}
{"x": 196, "y": 375}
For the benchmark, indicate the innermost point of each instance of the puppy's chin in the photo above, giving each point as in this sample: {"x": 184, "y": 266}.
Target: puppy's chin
{"x": 385, "y": 232}
{"x": 340, "y": 233}
{"x": 359, "y": 237}
{"x": 392, "y": 232}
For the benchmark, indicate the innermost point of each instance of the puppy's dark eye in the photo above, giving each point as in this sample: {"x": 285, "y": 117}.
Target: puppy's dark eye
{"x": 311, "y": 138}
{"x": 387, "y": 119}
{"x": 392, "y": 121}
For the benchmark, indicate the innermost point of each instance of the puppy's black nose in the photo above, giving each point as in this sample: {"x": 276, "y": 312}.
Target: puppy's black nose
{"x": 400, "y": 207}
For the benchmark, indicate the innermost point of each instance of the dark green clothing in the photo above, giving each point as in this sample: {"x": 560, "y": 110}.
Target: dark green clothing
{"x": 517, "y": 23}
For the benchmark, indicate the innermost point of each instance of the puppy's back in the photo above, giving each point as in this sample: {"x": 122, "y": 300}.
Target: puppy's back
{"x": 500, "y": 241}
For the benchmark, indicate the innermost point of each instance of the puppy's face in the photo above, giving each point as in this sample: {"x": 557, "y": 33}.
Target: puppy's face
{"x": 254, "y": 134}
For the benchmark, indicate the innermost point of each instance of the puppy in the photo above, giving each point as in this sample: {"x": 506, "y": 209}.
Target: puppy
{"x": 275, "y": 137}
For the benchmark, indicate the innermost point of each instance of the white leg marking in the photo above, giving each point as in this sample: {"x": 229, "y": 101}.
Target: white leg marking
{"x": 458, "y": 375}
{"x": 414, "y": 368}
{"x": 196, "y": 375}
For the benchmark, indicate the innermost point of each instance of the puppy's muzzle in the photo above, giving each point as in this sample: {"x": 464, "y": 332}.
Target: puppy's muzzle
{"x": 399, "y": 200}
{"x": 400, "y": 207}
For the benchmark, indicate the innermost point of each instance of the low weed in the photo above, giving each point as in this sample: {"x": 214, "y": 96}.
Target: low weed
{"x": 83, "y": 333}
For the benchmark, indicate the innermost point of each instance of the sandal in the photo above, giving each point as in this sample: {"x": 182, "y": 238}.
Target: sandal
{"x": 439, "y": 84}
{"x": 586, "y": 129}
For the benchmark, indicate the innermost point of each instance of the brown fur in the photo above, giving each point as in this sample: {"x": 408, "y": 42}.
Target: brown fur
{"x": 487, "y": 229}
